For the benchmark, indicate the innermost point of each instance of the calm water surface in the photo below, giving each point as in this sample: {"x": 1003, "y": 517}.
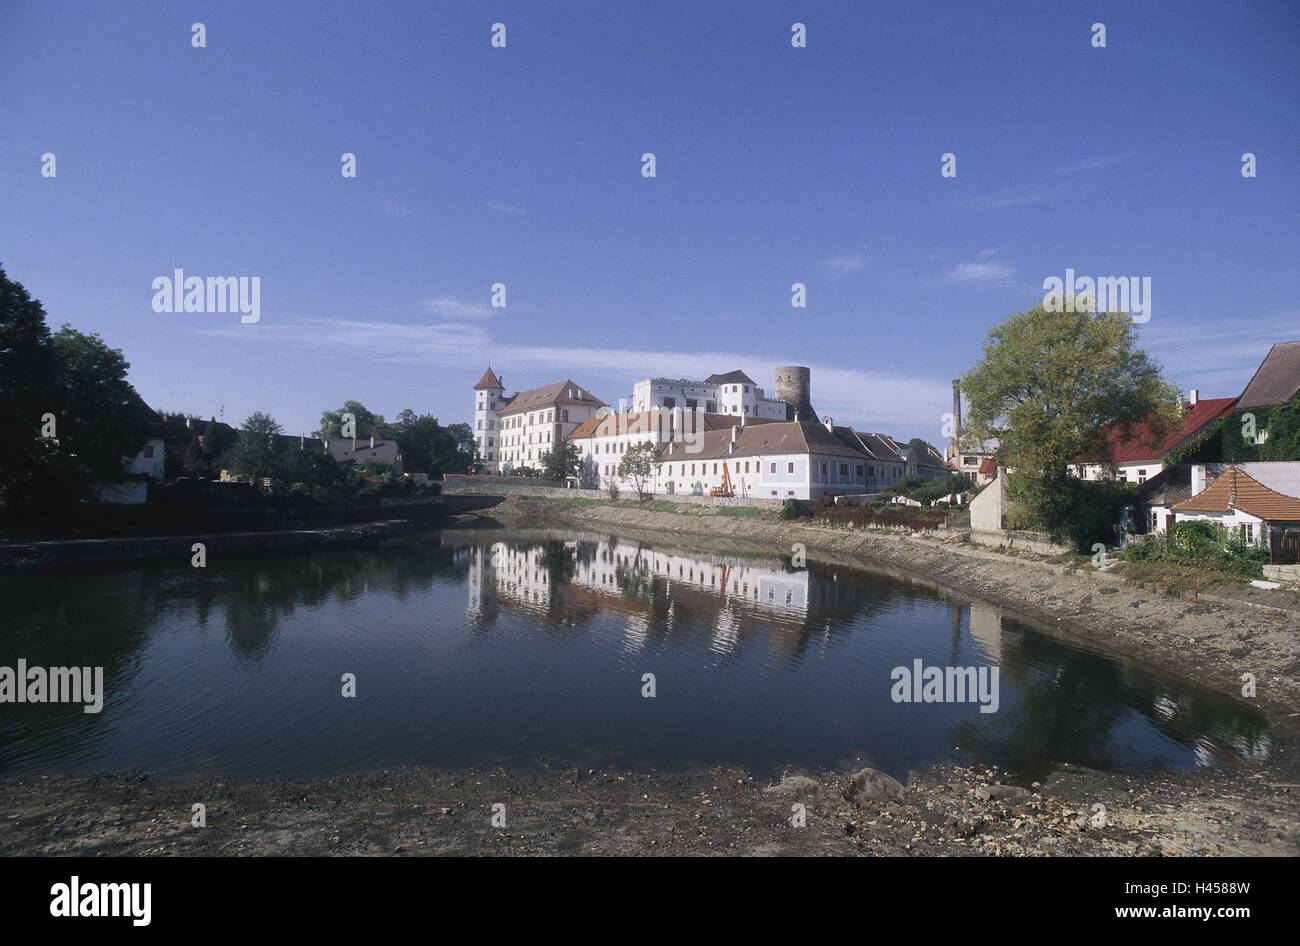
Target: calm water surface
{"x": 504, "y": 648}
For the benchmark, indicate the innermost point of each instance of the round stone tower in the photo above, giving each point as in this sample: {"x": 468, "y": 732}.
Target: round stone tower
{"x": 793, "y": 383}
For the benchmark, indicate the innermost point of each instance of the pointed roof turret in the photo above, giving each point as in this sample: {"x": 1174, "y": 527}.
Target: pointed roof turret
{"x": 489, "y": 380}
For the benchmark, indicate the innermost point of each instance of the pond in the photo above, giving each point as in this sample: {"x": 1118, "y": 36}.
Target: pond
{"x": 508, "y": 648}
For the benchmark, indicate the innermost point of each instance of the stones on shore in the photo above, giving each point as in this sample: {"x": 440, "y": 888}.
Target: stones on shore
{"x": 867, "y": 784}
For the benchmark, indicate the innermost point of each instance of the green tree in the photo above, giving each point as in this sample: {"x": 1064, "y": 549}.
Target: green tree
{"x": 258, "y": 452}
{"x": 561, "y": 461}
{"x": 428, "y": 447}
{"x": 637, "y": 465}
{"x": 77, "y": 382}
{"x": 368, "y": 423}
{"x": 1048, "y": 387}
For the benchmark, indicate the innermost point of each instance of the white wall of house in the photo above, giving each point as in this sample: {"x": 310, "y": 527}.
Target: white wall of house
{"x": 1255, "y": 528}
{"x": 149, "y": 461}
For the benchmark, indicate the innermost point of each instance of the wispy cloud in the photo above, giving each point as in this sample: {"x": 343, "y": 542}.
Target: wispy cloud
{"x": 1094, "y": 163}
{"x": 843, "y": 265}
{"x": 505, "y": 208}
{"x": 393, "y": 208}
{"x": 1015, "y": 196}
{"x": 984, "y": 273}
{"x": 913, "y": 405}
{"x": 449, "y": 307}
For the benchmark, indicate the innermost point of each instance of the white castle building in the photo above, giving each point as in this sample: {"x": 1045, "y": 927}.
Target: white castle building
{"x": 770, "y": 448}
{"x": 515, "y": 430}
{"x": 731, "y": 393}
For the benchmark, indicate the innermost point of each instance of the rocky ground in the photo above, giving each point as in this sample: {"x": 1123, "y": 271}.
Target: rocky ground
{"x": 942, "y": 811}
{"x": 1247, "y": 809}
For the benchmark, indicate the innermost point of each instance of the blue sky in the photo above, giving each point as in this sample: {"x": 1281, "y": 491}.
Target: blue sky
{"x": 522, "y": 165}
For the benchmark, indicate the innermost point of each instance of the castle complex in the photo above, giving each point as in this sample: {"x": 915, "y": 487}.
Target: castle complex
{"x": 722, "y": 433}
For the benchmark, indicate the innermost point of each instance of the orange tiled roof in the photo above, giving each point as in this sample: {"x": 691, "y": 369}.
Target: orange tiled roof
{"x": 1236, "y": 489}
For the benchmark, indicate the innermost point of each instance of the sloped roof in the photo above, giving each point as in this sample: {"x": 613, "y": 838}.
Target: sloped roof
{"x": 1173, "y": 484}
{"x": 987, "y": 466}
{"x": 879, "y": 446}
{"x": 384, "y": 451}
{"x": 489, "y": 380}
{"x": 1276, "y": 379}
{"x": 647, "y": 421}
{"x": 731, "y": 377}
{"x": 561, "y": 392}
{"x": 1140, "y": 444}
{"x": 1237, "y": 489}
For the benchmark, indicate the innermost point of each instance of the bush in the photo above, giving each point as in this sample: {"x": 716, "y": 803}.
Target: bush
{"x": 789, "y": 510}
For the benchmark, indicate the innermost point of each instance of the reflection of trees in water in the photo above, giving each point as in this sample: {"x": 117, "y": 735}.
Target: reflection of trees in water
{"x": 1071, "y": 702}
{"x": 257, "y": 595}
{"x": 58, "y": 621}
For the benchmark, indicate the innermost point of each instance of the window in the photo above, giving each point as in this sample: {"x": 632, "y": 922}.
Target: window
{"x": 772, "y": 469}
{"x": 711, "y": 406}
{"x": 746, "y": 466}
{"x": 1248, "y": 532}
{"x": 670, "y": 402}
{"x": 1142, "y": 476}
{"x": 691, "y": 404}
{"x": 480, "y": 425}
{"x": 564, "y": 415}
{"x": 773, "y": 492}
{"x": 844, "y": 469}
{"x": 789, "y": 467}
{"x": 715, "y": 468}
{"x": 824, "y": 474}
{"x": 859, "y": 470}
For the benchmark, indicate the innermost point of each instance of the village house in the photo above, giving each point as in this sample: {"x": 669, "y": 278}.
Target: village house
{"x": 1151, "y": 511}
{"x": 356, "y": 453}
{"x": 1140, "y": 455}
{"x": 1259, "y": 501}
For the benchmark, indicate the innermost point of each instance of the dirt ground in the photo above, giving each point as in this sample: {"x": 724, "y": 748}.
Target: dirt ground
{"x": 1247, "y": 809}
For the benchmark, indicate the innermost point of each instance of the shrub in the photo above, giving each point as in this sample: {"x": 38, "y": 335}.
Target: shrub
{"x": 789, "y": 510}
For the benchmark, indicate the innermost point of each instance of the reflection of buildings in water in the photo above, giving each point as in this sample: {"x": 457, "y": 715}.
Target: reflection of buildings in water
{"x": 520, "y": 574}
{"x": 986, "y": 630}
{"x": 638, "y": 632}
{"x": 723, "y": 596}
{"x": 726, "y": 631}
{"x": 501, "y": 572}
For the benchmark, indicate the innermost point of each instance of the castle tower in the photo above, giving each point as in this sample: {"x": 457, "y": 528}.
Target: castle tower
{"x": 793, "y": 386}
{"x": 487, "y": 408}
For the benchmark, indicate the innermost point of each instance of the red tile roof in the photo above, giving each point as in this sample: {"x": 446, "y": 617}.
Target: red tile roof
{"x": 987, "y": 467}
{"x": 1141, "y": 445}
{"x": 1236, "y": 489}
{"x": 489, "y": 380}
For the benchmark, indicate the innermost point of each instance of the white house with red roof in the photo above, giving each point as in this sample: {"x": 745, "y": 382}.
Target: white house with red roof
{"x": 1140, "y": 455}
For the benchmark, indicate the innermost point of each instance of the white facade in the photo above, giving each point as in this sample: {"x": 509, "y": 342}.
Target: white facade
{"x": 487, "y": 419}
{"x": 741, "y": 397}
{"x": 150, "y": 460}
